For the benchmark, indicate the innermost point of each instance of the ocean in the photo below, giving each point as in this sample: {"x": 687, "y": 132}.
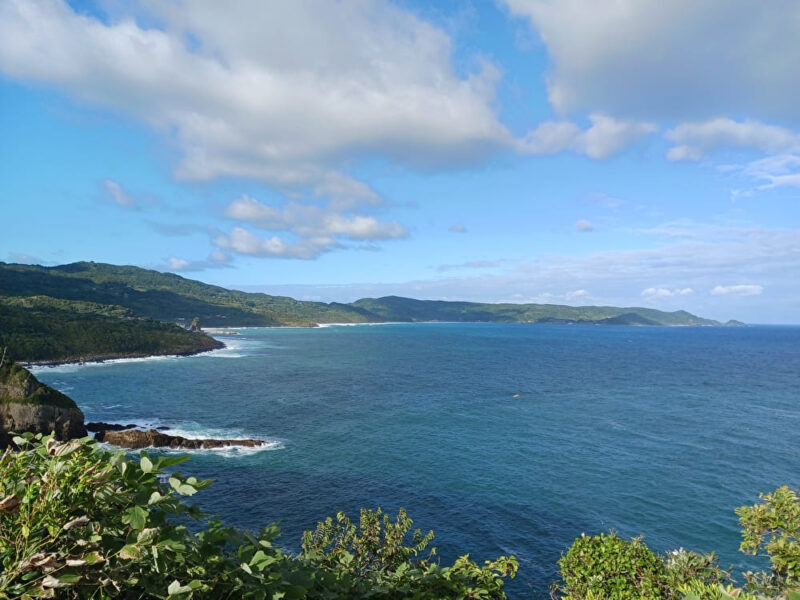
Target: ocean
{"x": 502, "y": 438}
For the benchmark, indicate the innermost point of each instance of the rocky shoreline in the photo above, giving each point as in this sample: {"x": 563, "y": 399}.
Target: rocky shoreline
{"x": 27, "y": 405}
{"x": 101, "y": 358}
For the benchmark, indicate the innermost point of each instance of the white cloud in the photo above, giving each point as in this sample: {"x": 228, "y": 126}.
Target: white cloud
{"x": 283, "y": 92}
{"x": 737, "y": 290}
{"x": 242, "y": 241}
{"x": 345, "y": 193}
{"x": 219, "y": 257}
{"x": 117, "y": 194}
{"x": 577, "y": 295}
{"x": 313, "y": 222}
{"x": 606, "y": 136}
{"x": 779, "y": 171}
{"x": 584, "y": 225}
{"x": 660, "y": 292}
{"x": 177, "y": 264}
{"x": 680, "y": 60}
{"x": 216, "y": 260}
{"x": 695, "y": 140}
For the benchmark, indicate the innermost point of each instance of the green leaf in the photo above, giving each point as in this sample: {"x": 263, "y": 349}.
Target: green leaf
{"x": 136, "y": 517}
{"x": 145, "y": 463}
{"x": 129, "y": 552}
{"x": 175, "y": 588}
{"x": 69, "y": 578}
{"x": 146, "y": 536}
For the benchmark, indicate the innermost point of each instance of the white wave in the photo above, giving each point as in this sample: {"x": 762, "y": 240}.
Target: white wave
{"x": 227, "y": 452}
{"x": 324, "y": 325}
{"x": 73, "y": 367}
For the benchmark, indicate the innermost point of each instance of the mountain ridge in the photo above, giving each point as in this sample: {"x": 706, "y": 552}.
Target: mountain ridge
{"x": 96, "y": 310}
{"x": 171, "y": 297}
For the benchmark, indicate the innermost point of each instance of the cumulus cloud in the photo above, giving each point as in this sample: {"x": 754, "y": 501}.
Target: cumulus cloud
{"x": 678, "y": 60}
{"x": 604, "y": 137}
{"x": 317, "y": 228}
{"x": 117, "y": 194}
{"x": 694, "y": 141}
{"x": 282, "y": 92}
{"x": 660, "y": 292}
{"x": 177, "y": 264}
{"x": 737, "y": 290}
{"x": 312, "y": 221}
{"x": 584, "y": 225}
{"x": 216, "y": 260}
{"x": 241, "y": 241}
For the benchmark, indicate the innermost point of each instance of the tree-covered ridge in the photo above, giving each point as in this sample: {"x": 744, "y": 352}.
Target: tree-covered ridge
{"x": 169, "y": 297}
{"x": 45, "y": 329}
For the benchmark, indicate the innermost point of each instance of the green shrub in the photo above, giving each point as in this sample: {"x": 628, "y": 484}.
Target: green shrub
{"x": 606, "y": 566}
{"x": 773, "y": 527}
{"x": 79, "y": 523}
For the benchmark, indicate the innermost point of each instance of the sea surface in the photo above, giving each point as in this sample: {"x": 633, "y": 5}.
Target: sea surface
{"x": 502, "y": 438}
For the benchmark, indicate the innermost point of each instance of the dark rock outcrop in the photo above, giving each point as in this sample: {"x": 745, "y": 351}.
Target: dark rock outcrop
{"x": 26, "y": 404}
{"x": 101, "y": 426}
{"x": 137, "y": 439}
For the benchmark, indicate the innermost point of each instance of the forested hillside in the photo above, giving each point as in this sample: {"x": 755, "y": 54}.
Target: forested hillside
{"x": 169, "y": 297}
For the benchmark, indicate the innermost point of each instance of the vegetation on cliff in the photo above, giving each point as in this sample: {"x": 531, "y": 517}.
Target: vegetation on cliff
{"x": 46, "y": 329}
{"x": 26, "y": 404}
{"x": 19, "y": 386}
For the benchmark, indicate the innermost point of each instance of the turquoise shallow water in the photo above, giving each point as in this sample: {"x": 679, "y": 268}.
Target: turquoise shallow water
{"x": 653, "y": 431}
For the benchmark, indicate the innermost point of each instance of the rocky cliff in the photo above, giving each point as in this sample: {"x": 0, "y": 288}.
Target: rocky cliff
{"x": 26, "y": 404}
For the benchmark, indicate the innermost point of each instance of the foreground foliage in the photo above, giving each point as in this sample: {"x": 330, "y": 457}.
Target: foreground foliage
{"x": 606, "y": 567}
{"x": 76, "y": 522}
{"x": 79, "y": 523}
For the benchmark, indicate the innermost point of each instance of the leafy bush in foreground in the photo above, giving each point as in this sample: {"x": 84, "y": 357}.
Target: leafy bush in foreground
{"x": 606, "y": 567}
{"x": 79, "y": 523}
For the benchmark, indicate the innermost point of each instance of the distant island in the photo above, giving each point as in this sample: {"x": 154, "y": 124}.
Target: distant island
{"x": 94, "y": 311}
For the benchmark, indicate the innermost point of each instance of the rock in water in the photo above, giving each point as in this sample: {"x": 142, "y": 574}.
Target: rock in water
{"x": 26, "y": 404}
{"x": 101, "y": 426}
{"x": 137, "y": 439}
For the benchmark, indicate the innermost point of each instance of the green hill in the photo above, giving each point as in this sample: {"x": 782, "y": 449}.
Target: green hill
{"x": 91, "y": 310}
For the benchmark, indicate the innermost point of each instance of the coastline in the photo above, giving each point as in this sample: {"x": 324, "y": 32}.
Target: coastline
{"x": 100, "y": 359}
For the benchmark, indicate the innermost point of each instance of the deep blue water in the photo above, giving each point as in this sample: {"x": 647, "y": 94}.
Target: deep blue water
{"x": 654, "y": 431}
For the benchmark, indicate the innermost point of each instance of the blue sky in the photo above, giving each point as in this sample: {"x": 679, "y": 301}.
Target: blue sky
{"x": 634, "y": 153}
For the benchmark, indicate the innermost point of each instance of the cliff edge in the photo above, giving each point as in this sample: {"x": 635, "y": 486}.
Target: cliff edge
{"x": 26, "y": 404}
